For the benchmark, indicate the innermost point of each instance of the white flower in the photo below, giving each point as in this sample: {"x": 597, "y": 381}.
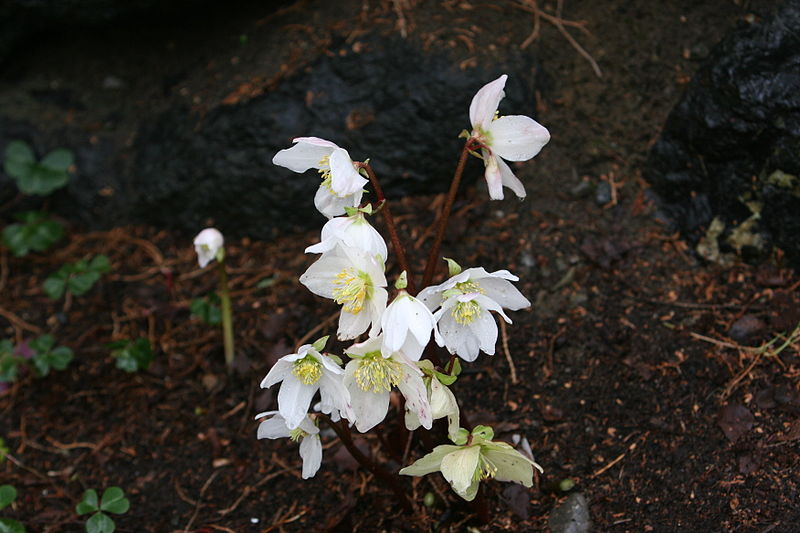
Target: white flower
{"x": 342, "y": 185}
{"x": 208, "y": 244}
{"x": 369, "y": 378}
{"x": 465, "y": 325}
{"x": 355, "y": 280}
{"x": 476, "y": 459}
{"x": 353, "y": 231}
{"x": 407, "y": 325}
{"x": 443, "y": 404}
{"x": 307, "y": 433}
{"x": 513, "y": 137}
{"x": 303, "y": 374}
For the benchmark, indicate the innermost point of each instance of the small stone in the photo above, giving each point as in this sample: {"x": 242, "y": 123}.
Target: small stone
{"x": 572, "y": 516}
{"x": 603, "y": 194}
{"x": 746, "y": 327}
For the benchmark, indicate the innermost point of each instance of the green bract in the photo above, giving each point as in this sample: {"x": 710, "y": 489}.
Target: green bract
{"x": 473, "y": 459}
{"x": 77, "y": 277}
{"x": 35, "y": 232}
{"x": 113, "y": 501}
{"x": 37, "y": 177}
{"x": 132, "y": 356}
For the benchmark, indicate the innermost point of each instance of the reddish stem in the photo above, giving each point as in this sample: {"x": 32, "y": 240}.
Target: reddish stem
{"x": 433, "y": 257}
{"x": 390, "y": 226}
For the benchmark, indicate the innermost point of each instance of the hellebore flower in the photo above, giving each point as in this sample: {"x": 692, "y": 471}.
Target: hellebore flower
{"x": 303, "y": 374}
{"x": 307, "y": 433}
{"x": 476, "y": 458}
{"x": 342, "y": 185}
{"x": 354, "y": 280}
{"x": 407, "y": 325}
{"x": 369, "y": 378}
{"x": 443, "y": 402}
{"x": 465, "y": 325}
{"x": 353, "y": 231}
{"x": 208, "y": 245}
{"x": 513, "y": 137}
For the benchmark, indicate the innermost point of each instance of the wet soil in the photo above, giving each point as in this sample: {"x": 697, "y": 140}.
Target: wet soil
{"x": 622, "y": 375}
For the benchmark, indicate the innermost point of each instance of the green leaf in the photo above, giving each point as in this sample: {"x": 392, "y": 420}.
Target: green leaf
{"x": 19, "y": 159}
{"x": 7, "y": 495}
{"x": 133, "y": 356}
{"x": 88, "y": 503}
{"x": 9, "y": 365}
{"x": 3, "y": 450}
{"x": 205, "y": 310}
{"x": 79, "y": 284}
{"x": 100, "y": 264}
{"x": 267, "y": 282}
{"x": 456, "y": 371}
{"x": 42, "y": 180}
{"x": 9, "y": 525}
{"x": 59, "y": 159}
{"x": 55, "y": 285}
{"x": 100, "y": 523}
{"x": 46, "y": 358}
{"x": 114, "y": 501}
{"x": 320, "y": 343}
{"x": 60, "y": 357}
{"x": 36, "y": 233}
{"x": 42, "y": 344}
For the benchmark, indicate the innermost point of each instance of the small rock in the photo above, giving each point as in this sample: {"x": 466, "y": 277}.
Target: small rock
{"x": 735, "y": 420}
{"x": 603, "y": 194}
{"x": 572, "y": 516}
{"x": 746, "y": 327}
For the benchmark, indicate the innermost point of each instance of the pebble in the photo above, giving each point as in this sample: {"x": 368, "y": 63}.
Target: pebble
{"x": 603, "y": 194}
{"x": 572, "y": 516}
{"x": 746, "y": 327}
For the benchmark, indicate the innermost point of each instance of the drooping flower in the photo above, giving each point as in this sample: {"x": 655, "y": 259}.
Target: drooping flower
{"x": 342, "y": 185}
{"x": 307, "y": 433}
{"x": 465, "y": 324}
{"x": 443, "y": 402}
{"x": 208, "y": 245}
{"x": 353, "y": 231}
{"x": 370, "y": 376}
{"x": 303, "y": 374}
{"x": 473, "y": 458}
{"x": 355, "y": 280}
{"x": 512, "y": 137}
{"x": 407, "y": 325}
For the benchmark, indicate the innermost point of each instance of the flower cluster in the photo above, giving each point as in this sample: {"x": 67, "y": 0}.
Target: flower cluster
{"x": 394, "y": 334}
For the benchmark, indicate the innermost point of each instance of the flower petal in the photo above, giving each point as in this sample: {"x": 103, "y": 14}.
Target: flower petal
{"x": 294, "y": 399}
{"x": 431, "y": 462}
{"x": 331, "y": 205}
{"x": 459, "y": 467}
{"x": 511, "y": 465}
{"x": 504, "y": 293}
{"x": 351, "y": 325}
{"x": 345, "y": 179}
{"x": 517, "y": 137}
{"x": 278, "y": 372}
{"x": 273, "y": 428}
{"x": 485, "y": 102}
{"x": 416, "y": 395}
{"x": 493, "y": 175}
{"x": 508, "y": 179}
{"x": 318, "y": 278}
{"x": 311, "y": 453}
{"x": 304, "y": 155}
{"x": 484, "y": 330}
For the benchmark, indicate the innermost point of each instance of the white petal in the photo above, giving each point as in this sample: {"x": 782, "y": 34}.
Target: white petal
{"x": 333, "y": 206}
{"x": 377, "y": 306}
{"x": 369, "y": 408}
{"x": 273, "y": 428}
{"x": 494, "y": 178}
{"x": 485, "y": 102}
{"x": 413, "y": 388}
{"x": 318, "y": 278}
{"x": 484, "y": 329}
{"x": 487, "y": 303}
{"x": 345, "y": 179}
{"x": 458, "y": 468}
{"x": 335, "y": 397}
{"x": 316, "y": 141}
{"x": 395, "y": 324}
{"x": 517, "y": 137}
{"x": 303, "y": 155}
{"x": 311, "y": 453}
{"x": 457, "y": 338}
{"x": 511, "y": 465}
{"x": 278, "y": 372}
{"x": 351, "y": 325}
{"x": 431, "y": 462}
{"x": 420, "y": 321}
{"x": 431, "y": 297}
{"x": 294, "y": 398}
{"x": 508, "y": 179}
{"x": 504, "y": 293}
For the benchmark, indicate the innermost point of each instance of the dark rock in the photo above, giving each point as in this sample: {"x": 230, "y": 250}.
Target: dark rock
{"x": 603, "y": 194}
{"x": 731, "y": 147}
{"x": 572, "y": 516}
{"x": 735, "y": 420}
{"x": 746, "y": 327}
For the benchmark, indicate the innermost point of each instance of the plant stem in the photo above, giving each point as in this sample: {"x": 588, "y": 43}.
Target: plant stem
{"x": 384, "y": 475}
{"x": 227, "y": 314}
{"x": 433, "y": 257}
{"x": 390, "y": 226}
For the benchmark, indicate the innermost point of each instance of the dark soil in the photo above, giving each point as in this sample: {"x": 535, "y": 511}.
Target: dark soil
{"x": 626, "y": 380}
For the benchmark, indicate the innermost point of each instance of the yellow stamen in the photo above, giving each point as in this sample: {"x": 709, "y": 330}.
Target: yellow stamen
{"x": 378, "y": 374}
{"x": 297, "y": 434}
{"x": 351, "y": 289}
{"x": 307, "y": 370}
{"x": 467, "y": 287}
{"x": 466, "y": 312}
{"x": 325, "y": 174}
{"x": 486, "y": 469}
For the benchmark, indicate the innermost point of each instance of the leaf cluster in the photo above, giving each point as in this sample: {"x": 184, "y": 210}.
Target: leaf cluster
{"x": 77, "y": 278}
{"x": 8, "y": 525}
{"x": 37, "y": 177}
{"x": 112, "y": 501}
{"x": 132, "y": 356}
{"x": 34, "y": 232}
{"x": 207, "y": 309}
{"x": 45, "y": 356}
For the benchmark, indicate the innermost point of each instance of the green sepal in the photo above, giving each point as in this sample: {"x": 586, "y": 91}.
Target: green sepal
{"x": 402, "y": 281}
{"x": 350, "y": 211}
{"x": 320, "y": 343}
{"x": 453, "y": 267}
{"x": 367, "y": 209}
{"x": 456, "y": 370}
{"x": 445, "y": 379}
{"x": 220, "y": 256}
{"x": 335, "y": 358}
{"x": 483, "y": 432}
{"x": 461, "y": 437}
{"x": 464, "y": 134}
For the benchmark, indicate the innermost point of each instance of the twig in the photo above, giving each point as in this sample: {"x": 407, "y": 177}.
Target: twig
{"x": 609, "y": 465}
{"x": 18, "y": 322}
{"x": 200, "y": 500}
{"x": 504, "y": 336}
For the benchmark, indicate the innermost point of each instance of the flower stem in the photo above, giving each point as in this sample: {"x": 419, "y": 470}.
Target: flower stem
{"x": 384, "y": 475}
{"x": 433, "y": 257}
{"x": 227, "y": 314}
{"x": 390, "y": 226}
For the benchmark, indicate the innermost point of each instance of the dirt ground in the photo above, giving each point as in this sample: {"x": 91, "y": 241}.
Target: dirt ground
{"x": 623, "y": 375}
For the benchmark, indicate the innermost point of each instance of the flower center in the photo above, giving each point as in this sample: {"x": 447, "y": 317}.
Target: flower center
{"x": 297, "y": 434}
{"x": 466, "y": 312}
{"x": 325, "y": 174}
{"x": 351, "y": 288}
{"x": 308, "y": 370}
{"x": 486, "y": 469}
{"x": 378, "y": 374}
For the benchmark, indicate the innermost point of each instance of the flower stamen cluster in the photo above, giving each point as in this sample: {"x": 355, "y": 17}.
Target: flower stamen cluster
{"x": 378, "y": 374}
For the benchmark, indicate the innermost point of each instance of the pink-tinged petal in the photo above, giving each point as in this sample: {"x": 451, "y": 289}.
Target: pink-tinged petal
{"x": 494, "y": 178}
{"x": 345, "y": 179}
{"x": 508, "y": 179}
{"x": 517, "y": 137}
{"x": 302, "y": 156}
{"x": 485, "y": 102}
{"x": 416, "y": 394}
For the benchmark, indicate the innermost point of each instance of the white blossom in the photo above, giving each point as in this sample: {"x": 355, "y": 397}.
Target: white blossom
{"x": 303, "y": 374}
{"x": 369, "y": 378}
{"x": 512, "y": 137}
{"x": 465, "y": 324}
{"x": 355, "y": 280}
{"x": 443, "y": 404}
{"x": 353, "y": 231}
{"x": 407, "y": 325}
{"x": 342, "y": 185}
{"x": 208, "y": 244}
{"x": 306, "y": 432}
